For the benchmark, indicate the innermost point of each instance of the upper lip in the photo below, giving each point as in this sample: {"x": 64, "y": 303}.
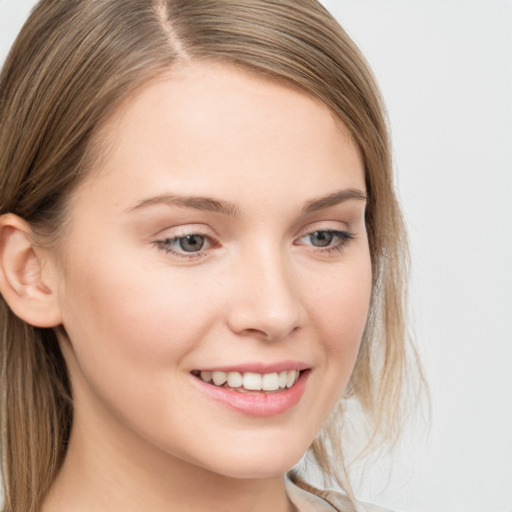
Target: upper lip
{"x": 258, "y": 367}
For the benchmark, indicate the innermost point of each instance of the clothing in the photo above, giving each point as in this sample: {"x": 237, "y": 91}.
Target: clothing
{"x": 329, "y": 501}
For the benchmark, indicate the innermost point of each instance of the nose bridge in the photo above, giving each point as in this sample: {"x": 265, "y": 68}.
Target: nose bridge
{"x": 267, "y": 301}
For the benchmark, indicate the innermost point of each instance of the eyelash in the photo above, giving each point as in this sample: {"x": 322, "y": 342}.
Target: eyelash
{"x": 166, "y": 245}
{"x": 344, "y": 238}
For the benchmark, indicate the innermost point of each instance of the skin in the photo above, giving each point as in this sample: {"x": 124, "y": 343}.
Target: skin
{"x": 138, "y": 319}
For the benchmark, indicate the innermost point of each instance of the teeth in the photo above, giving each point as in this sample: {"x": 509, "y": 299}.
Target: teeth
{"x": 235, "y": 379}
{"x": 219, "y": 378}
{"x": 292, "y": 377}
{"x": 206, "y": 376}
{"x": 270, "y": 382}
{"x": 253, "y": 381}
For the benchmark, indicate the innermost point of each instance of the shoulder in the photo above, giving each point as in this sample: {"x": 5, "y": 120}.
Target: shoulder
{"x": 325, "y": 501}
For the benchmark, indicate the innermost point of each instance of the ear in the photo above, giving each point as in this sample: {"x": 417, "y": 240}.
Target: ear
{"x": 22, "y": 284}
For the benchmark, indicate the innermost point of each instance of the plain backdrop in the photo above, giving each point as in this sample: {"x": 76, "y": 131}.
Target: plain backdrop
{"x": 445, "y": 69}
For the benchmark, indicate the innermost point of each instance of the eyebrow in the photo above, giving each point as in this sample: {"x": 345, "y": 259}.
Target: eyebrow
{"x": 230, "y": 209}
{"x": 333, "y": 199}
{"x": 208, "y": 204}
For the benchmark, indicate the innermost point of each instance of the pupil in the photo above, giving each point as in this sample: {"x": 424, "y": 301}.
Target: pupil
{"x": 321, "y": 238}
{"x": 192, "y": 243}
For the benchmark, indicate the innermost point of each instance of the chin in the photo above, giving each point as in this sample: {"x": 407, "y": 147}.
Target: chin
{"x": 257, "y": 461}
{"x": 257, "y": 470}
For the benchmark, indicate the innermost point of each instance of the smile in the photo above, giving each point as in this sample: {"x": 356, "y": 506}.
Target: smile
{"x": 252, "y": 393}
{"x": 250, "y": 381}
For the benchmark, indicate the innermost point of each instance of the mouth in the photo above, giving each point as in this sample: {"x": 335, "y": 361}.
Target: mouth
{"x": 252, "y": 393}
{"x": 251, "y": 382}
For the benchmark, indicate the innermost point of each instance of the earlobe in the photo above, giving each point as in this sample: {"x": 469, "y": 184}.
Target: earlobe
{"x": 21, "y": 277}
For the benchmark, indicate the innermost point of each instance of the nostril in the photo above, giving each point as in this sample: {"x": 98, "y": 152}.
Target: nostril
{"x": 270, "y": 334}
{"x": 249, "y": 320}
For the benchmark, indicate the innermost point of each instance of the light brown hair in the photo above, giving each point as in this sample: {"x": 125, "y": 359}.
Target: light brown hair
{"x": 72, "y": 65}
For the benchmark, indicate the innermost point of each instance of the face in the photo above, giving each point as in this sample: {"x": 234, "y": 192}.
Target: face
{"x": 222, "y": 238}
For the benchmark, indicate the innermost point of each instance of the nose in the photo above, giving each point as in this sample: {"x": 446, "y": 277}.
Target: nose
{"x": 266, "y": 300}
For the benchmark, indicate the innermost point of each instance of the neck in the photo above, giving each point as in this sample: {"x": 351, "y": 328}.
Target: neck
{"x": 118, "y": 471}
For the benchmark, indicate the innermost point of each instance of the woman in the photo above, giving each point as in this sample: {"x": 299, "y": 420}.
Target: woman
{"x": 201, "y": 256}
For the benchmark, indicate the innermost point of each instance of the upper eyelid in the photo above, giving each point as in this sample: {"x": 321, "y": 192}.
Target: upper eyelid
{"x": 183, "y": 230}
{"x": 325, "y": 225}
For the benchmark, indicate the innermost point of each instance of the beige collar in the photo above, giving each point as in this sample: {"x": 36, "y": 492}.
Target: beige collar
{"x": 326, "y": 501}
{"x": 304, "y": 501}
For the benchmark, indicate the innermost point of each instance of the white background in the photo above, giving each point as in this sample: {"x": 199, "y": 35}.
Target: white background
{"x": 445, "y": 68}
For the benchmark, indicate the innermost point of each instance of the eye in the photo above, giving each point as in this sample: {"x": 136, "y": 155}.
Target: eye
{"x": 191, "y": 243}
{"x": 321, "y": 238}
{"x": 327, "y": 240}
{"x": 187, "y": 246}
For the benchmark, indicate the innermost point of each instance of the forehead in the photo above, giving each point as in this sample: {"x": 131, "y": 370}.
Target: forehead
{"x": 203, "y": 126}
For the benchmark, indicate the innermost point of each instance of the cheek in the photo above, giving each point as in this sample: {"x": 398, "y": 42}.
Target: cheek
{"x": 340, "y": 316}
{"x": 130, "y": 333}
{"x": 123, "y": 313}
{"x": 342, "y": 308}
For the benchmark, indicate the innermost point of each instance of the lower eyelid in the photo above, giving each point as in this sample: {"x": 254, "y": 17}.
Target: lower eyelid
{"x": 167, "y": 248}
{"x": 166, "y": 244}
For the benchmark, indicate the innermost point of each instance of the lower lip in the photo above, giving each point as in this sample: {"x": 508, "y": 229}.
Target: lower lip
{"x": 259, "y": 404}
